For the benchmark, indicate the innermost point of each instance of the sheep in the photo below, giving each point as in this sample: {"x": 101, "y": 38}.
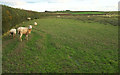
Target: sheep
{"x": 88, "y": 16}
{"x": 12, "y": 32}
{"x": 58, "y": 16}
{"x": 29, "y": 18}
{"x": 35, "y": 23}
{"x": 109, "y": 16}
{"x": 25, "y": 31}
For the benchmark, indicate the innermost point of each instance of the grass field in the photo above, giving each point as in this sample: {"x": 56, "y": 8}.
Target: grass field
{"x": 59, "y": 45}
{"x": 81, "y": 12}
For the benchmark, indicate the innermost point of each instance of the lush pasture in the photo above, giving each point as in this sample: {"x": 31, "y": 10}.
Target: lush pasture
{"x": 63, "y": 45}
{"x": 102, "y": 19}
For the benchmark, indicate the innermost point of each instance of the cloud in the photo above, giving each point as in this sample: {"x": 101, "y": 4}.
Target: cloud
{"x": 53, "y": 5}
{"x": 57, "y": 1}
{"x": 12, "y": 2}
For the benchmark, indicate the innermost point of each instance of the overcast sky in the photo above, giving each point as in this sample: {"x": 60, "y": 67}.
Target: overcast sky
{"x": 54, "y": 5}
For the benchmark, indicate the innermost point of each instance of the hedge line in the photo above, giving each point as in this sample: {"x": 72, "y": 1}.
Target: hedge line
{"x": 12, "y": 16}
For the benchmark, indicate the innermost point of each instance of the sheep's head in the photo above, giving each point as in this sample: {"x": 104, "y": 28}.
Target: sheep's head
{"x": 29, "y": 29}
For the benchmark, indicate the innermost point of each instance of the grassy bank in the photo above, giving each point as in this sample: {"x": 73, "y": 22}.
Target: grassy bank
{"x": 13, "y": 16}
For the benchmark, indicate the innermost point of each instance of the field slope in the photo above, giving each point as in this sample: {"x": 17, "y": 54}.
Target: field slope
{"x": 63, "y": 45}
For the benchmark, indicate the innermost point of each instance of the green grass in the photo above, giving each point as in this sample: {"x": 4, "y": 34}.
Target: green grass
{"x": 63, "y": 45}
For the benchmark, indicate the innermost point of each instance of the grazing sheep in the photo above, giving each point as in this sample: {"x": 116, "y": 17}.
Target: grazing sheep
{"x": 109, "y": 16}
{"x": 25, "y": 31}
{"x": 58, "y": 16}
{"x": 12, "y": 32}
{"x": 88, "y": 16}
{"x": 35, "y": 23}
{"x": 29, "y": 18}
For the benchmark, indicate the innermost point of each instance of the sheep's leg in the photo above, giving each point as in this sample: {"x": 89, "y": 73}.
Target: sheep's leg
{"x": 10, "y": 35}
{"x": 18, "y": 33}
{"x": 26, "y": 37}
{"x": 13, "y": 35}
{"x": 20, "y": 37}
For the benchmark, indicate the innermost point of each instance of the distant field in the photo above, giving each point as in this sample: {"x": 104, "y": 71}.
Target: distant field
{"x": 60, "y": 45}
{"x": 88, "y": 13}
{"x": 81, "y": 12}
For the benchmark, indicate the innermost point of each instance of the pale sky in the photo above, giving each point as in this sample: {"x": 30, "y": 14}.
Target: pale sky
{"x": 54, "y": 5}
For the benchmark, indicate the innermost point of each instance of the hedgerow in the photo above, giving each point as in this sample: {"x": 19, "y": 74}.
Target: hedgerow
{"x": 12, "y": 16}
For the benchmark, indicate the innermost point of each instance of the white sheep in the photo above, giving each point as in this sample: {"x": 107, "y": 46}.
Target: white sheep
{"x": 88, "y": 16}
{"x": 25, "y": 31}
{"x": 35, "y": 23}
{"x": 12, "y": 32}
{"x": 58, "y": 16}
{"x": 29, "y": 18}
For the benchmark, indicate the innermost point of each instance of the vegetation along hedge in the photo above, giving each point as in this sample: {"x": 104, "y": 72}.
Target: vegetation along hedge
{"x": 13, "y": 16}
